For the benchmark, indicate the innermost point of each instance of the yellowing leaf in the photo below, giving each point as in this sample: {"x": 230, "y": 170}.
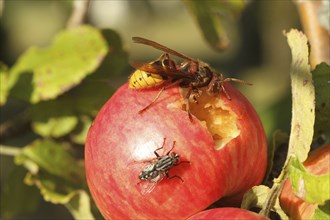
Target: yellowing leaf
{"x": 303, "y": 97}
{"x": 45, "y": 73}
{"x": 80, "y": 206}
{"x": 257, "y": 196}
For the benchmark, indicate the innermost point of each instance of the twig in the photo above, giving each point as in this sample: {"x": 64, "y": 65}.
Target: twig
{"x": 1, "y": 7}
{"x": 79, "y": 13}
{"x": 317, "y": 35}
{"x": 275, "y": 191}
{"x": 9, "y": 151}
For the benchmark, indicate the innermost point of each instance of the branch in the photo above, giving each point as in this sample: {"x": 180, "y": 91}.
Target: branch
{"x": 317, "y": 35}
{"x": 79, "y": 13}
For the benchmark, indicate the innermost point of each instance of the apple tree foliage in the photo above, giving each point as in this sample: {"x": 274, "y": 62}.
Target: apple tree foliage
{"x": 62, "y": 87}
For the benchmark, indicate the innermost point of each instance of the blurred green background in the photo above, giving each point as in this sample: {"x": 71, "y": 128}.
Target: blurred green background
{"x": 257, "y": 52}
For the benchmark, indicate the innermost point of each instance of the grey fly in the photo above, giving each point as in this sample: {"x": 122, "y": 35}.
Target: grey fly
{"x": 159, "y": 167}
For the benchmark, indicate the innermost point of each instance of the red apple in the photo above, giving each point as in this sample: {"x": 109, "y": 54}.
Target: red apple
{"x": 225, "y": 144}
{"x": 227, "y": 213}
{"x": 317, "y": 163}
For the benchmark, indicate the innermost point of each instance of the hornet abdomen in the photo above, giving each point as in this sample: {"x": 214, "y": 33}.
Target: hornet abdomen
{"x": 143, "y": 80}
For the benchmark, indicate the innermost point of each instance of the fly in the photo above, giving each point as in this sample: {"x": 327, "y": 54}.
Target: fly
{"x": 158, "y": 168}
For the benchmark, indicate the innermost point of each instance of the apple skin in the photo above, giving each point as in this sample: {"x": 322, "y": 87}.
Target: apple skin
{"x": 120, "y": 139}
{"x": 317, "y": 163}
{"x": 227, "y": 213}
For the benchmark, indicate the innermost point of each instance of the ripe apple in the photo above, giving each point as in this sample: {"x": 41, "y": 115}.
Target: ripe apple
{"x": 225, "y": 144}
{"x": 227, "y": 213}
{"x": 317, "y": 163}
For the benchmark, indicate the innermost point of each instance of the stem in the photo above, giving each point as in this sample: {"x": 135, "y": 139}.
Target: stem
{"x": 317, "y": 35}
{"x": 10, "y": 151}
{"x": 275, "y": 191}
{"x": 79, "y": 13}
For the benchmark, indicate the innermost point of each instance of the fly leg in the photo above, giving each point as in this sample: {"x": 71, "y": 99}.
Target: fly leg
{"x": 168, "y": 153}
{"x": 171, "y": 177}
{"x": 180, "y": 162}
{"x": 155, "y": 152}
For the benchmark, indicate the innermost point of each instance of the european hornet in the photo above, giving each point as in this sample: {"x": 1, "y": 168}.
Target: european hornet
{"x": 192, "y": 74}
{"x": 158, "y": 168}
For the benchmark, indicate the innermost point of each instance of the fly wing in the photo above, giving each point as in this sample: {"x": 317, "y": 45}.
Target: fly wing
{"x": 147, "y": 187}
{"x": 159, "y": 70}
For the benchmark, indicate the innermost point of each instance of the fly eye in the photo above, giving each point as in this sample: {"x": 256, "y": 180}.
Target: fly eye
{"x": 175, "y": 155}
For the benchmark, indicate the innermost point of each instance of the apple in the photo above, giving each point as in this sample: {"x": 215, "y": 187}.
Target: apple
{"x": 317, "y": 163}
{"x": 224, "y": 142}
{"x": 227, "y": 213}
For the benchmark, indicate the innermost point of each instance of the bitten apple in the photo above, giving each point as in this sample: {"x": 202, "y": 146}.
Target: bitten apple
{"x": 225, "y": 144}
{"x": 317, "y": 163}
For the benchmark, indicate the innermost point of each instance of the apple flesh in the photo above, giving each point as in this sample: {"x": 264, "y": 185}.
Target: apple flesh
{"x": 317, "y": 163}
{"x": 225, "y": 144}
{"x": 227, "y": 213}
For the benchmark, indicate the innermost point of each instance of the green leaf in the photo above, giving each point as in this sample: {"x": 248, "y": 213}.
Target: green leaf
{"x": 51, "y": 187}
{"x": 116, "y": 61}
{"x": 322, "y": 212}
{"x": 59, "y": 117}
{"x": 321, "y": 77}
{"x": 90, "y": 96}
{"x": 45, "y": 73}
{"x": 303, "y": 96}
{"x": 54, "y": 118}
{"x": 207, "y": 14}
{"x": 57, "y": 191}
{"x": 80, "y": 206}
{"x": 257, "y": 196}
{"x": 52, "y": 158}
{"x": 58, "y": 175}
{"x": 3, "y": 83}
{"x": 17, "y": 198}
{"x": 309, "y": 187}
{"x": 80, "y": 134}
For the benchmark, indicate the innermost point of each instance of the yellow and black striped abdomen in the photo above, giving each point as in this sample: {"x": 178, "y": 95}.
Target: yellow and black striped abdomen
{"x": 143, "y": 80}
